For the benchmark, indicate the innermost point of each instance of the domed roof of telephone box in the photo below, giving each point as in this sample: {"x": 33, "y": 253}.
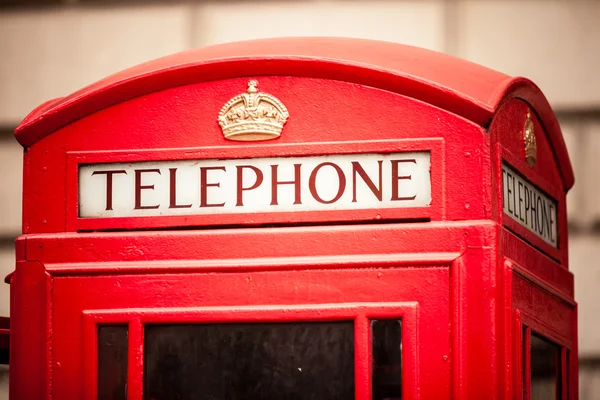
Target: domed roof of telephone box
{"x": 469, "y": 90}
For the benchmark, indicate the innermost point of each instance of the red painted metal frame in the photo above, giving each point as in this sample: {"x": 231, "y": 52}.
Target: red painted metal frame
{"x": 360, "y": 313}
{"x": 539, "y": 315}
{"x": 533, "y": 268}
{"x": 507, "y": 146}
{"x": 99, "y": 266}
{"x": 412, "y": 241}
{"x": 524, "y": 324}
{"x": 31, "y": 342}
{"x": 275, "y": 312}
{"x": 434, "y": 211}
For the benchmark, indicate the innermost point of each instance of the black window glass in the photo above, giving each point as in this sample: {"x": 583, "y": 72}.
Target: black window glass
{"x": 259, "y": 361}
{"x": 29, "y": 3}
{"x": 568, "y": 373}
{"x": 387, "y": 359}
{"x": 112, "y": 362}
{"x": 545, "y": 370}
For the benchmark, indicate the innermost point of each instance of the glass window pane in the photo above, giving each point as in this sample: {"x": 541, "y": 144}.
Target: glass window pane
{"x": 112, "y": 362}
{"x": 524, "y": 355}
{"x": 387, "y": 359}
{"x": 568, "y": 373}
{"x": 545, "y": 369}
{"x": 301, "y": 360}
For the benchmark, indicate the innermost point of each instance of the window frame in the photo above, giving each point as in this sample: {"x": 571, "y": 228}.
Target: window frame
{"x": 360, "y": 313}
{"x": 526, "y": 324}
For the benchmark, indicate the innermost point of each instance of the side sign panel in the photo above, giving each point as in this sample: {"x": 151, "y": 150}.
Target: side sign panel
{"x": 529, "y": 206}
{"x": 211, "y": 186}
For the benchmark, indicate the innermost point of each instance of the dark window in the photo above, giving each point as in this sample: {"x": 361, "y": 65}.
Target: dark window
{"x": 29, "y": 3}
{"x": 387, "y": 359}
{"x": 112, "y": 362}
{"x": 4, "y": 336}
{"x": 568, "y": 373}
{"x": 259, "y": 361}
{"x": 545, "y": 369}
{"x": 525, "y": 354}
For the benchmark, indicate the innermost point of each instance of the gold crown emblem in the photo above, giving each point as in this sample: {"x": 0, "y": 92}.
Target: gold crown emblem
{"x": 253, "y": 116}
{"x": 530, "y": 144}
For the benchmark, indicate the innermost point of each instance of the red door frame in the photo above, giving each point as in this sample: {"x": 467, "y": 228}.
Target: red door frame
{"x": 386, "y": 263}
{"x": 536, "y": 312}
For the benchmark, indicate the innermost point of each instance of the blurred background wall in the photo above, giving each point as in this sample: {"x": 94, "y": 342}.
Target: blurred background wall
{"x": 49, "y": 48}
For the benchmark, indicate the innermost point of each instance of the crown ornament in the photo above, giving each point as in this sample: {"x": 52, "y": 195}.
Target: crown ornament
{"x": 253, "y": 116}
{"x": 530, "y": 142}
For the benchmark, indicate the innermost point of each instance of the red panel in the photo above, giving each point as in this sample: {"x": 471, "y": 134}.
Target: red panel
{"x": 310, "y": 265}
{"x": 477, "y": 334}
{"x": 527, "y": 91}
{"x": 539, "y": 309}
{"x": 210, "y": 247}
{"x": 432, "y": 77}
{"x": 538, "y": 266}
{"x": 184, "y": 121}
{"x": 507, "y": 130}
{"x": 30, "y": 342}
{"x": 546, "y": 314}
{"x": 508, "y": 145}
{"x": 238, "y": 296}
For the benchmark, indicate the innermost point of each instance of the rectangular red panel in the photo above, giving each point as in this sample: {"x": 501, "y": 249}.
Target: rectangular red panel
{"x": 285, "y": 296}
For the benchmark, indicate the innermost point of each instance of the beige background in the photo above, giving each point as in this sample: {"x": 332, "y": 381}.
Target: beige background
{"x": 51, "y": 50}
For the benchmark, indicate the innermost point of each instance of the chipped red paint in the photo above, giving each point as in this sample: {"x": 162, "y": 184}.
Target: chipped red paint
{"x": 464, "y": 277}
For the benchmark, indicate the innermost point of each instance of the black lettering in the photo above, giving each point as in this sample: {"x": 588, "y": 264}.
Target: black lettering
{"x": 520, "y": 192}
{"x": 533, "y": 212}
{"x": 514, "y": 195}
{"x": 503, "y": 187}
{"x": 312, "y": 183}
{"x": 204, "y": 185}
{"x": 377, "y": 191}
{"x": 527, "y": 204}
{"x": 275, "y": 184}
{"x": 173, "y": 190}
{"x": 258, "y": 179}
{"x": 509, "y": 192}
{"x": 109, "y": 185}
{"x": 396, "y": 178}
{"x": 552, "y": 223}
{"x": 546, "y": 220}
{"x": 539, "y": 217}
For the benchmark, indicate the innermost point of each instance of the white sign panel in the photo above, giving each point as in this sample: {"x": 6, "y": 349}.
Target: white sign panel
{"x": 334, "y": 182}
{"x": 527, "y": 205}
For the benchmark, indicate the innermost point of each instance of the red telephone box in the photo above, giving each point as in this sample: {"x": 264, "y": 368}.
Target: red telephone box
{"x": 304, "y": 218}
